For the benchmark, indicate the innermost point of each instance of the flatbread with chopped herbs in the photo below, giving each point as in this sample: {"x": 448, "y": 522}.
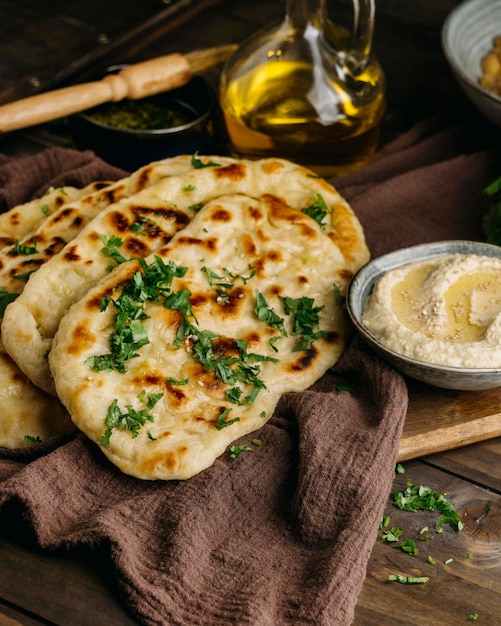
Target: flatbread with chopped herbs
{"x": 138, "y": 225}
{"x": 171, "y": 358}
{"x": 22, "y": 220}
{"x": 30, "y": 234}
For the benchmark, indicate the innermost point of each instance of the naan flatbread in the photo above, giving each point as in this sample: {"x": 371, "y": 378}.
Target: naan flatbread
{"x": 242, "y": 306}
{"x": 144, "y": 222}
{"x": 23, "y": 219}
{"x": 34, "y": 232}
{"x": 28, "y": 414}
{"x": 29, "y": 253}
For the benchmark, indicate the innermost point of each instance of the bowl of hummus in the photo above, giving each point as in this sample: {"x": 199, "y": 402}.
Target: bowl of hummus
{"x": 433, "y": 311}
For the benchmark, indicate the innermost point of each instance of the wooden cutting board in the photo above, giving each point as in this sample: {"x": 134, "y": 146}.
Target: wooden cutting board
{"x": 442, "y": 419}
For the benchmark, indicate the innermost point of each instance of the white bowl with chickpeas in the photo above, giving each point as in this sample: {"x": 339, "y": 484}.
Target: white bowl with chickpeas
{"x": 471, "y": 41}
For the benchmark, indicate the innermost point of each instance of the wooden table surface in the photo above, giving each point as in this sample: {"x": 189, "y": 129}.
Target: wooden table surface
{"x": 44, "y": 45}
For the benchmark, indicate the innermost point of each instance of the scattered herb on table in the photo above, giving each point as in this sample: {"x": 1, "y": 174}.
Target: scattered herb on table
{"x": 408, "y": 580}
{"x": 422, "y": 498}
{"x": 392, "y": 535}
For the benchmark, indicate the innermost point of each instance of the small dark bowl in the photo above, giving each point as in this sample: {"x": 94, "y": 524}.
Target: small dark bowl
{"x": 130, "y": 149}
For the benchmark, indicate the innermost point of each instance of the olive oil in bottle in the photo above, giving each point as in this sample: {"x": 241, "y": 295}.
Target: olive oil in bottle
{"x": 291, "y": 93}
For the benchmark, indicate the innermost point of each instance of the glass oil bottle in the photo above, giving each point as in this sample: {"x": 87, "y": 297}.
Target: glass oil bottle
{"x": 307, "y": 90}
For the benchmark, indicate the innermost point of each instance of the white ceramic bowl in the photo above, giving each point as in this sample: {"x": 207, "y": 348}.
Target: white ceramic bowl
{"x": 437, "y": 375}
{"x": 467, "y": 36}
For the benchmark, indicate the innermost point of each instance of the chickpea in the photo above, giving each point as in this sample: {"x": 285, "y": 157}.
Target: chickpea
{"x": 491, "y": 64}
{"x": 491, "y": 68}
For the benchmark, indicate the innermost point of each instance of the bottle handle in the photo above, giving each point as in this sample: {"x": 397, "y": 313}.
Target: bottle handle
{"x": 363, "y": 29}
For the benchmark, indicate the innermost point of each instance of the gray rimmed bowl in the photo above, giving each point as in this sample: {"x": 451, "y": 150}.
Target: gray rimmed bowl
{"x": 467, "y": 36}
{"x": 460, "y": 378}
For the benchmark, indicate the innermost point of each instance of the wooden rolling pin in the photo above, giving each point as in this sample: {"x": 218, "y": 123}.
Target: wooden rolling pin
{"x": 134, "y": 81}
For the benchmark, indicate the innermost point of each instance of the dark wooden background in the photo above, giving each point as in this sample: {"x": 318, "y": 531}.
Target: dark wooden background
{"x": 51, "y": 44}
{"x": 48, "y": 44}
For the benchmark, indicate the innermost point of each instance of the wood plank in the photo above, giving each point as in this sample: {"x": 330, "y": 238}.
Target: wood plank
{"x": 59, "y": 588}
{"x": 443, "y": 419}
{"x": 58, "y": 38}
{"x": 71, "y": 589}
{"x": 469, "y": 584}
{"x": 12, "y": 617}
{"x": 481, "y": 462}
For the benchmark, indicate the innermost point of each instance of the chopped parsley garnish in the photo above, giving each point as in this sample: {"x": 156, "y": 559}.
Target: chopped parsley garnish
{"x": 211, "y": 276}
{"x": 197, "y": 206}
{"x": 24, "y": 276}
{"x": 152, "y": 283}
{"x": 189, "y": 188}
{"x": 198, "y": 164}
{"x": 305, "y": 319}
{"x": 318, "y": 210}
{"x": 422, "y": 498}
{"x": 111, "y": 245}
{"x": 215, "y": 279}
{"x": 175, "y": 381}
{"x": 5, "y": 299}
{"x": 24, "y": 249}
{"x": 340, "y": 299}
{"x": 149, "y": 398}
{"x": 244, "y": 279}
{"x": 129, "y": 419}
{"x": 31, "y": 439}
{"x": 222, "y": 422}
{"x": 232, "y": 370}
{"x": 142, "y": 225}
{"x": 266, "y": 314}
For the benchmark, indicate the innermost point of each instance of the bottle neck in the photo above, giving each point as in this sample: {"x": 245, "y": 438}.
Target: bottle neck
{"x": 299, "y": 14}
{"x": 311, "y": 15}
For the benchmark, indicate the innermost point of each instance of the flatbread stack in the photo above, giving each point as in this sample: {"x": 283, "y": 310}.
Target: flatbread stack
{"x": 31, "y": 234}
{"x": 172, "y": 322}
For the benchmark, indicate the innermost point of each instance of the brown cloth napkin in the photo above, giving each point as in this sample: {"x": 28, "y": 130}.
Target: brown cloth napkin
{"x": 282, "y": 534}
